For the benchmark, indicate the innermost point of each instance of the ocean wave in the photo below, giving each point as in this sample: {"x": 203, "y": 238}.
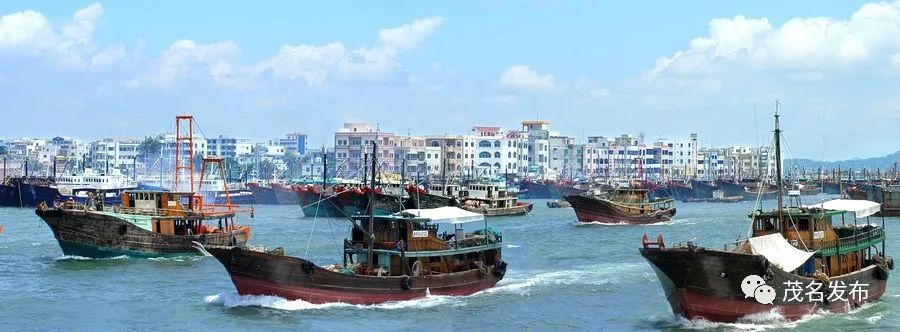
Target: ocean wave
{"x": 762, "y": 321}
{"x": 82, "y": 258}
{"x": 601, "y": 274}
{"x": 513, "y": 246}
{"x": 184, "y": 258}
{"x": 234, "y": 299}
{"x": 621, "y": 223}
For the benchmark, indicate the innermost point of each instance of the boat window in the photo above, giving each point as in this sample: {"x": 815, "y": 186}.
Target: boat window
{"x": 803, "y": 224}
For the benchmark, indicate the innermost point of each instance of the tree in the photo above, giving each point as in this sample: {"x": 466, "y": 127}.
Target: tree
{"x": 290, "y": 159}
{"x": 4, "y": 150}
{"x": 150, "y": 146}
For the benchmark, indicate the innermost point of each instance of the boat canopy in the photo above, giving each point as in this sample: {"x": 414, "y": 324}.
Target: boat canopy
{"x": 443, "y": 215}
{"x": 778, "y": 251}
{"x": 861, "y": 208}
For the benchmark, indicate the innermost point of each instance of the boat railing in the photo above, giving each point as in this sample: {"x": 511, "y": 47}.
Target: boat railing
{"x": 850, "y": 243}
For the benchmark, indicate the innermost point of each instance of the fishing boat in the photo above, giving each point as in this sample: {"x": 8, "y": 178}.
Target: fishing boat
{"x": 395, "y": 257}
{"x": 888, "y": 195}
{"x": 624, "y": 206}
{"x": 703, "y": 189}
{"x": 794, "y": 262}
{"x": 262, "y": 193}
{"x": 492, "y": 200}
{"x": 319, "y": 201}
{"x": 284, "y": 194}
{"x": 146, "y": 224}
{"x": 149, "y": 223}
{"x": 731, "y": 187}
{"x": 81, "y": 187}
{"x": 436, "y": 195}
{"x": 680, "y": 191}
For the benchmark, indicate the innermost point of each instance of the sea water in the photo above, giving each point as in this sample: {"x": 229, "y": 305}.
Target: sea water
{"x": 561, "y": 276}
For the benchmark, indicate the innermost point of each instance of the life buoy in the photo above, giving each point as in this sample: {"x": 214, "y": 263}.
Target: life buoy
{"x": 417, "y": 269}
{"x": 406, "y": 283}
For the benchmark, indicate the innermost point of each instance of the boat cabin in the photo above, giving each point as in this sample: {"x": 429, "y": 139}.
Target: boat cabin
{"x": 449, "y": 190}
{"x": 420, "y": 242}
{"x": 838, "y": 248}
{"x": 173, "y": 213}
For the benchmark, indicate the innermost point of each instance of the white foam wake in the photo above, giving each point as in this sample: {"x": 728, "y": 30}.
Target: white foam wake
{"x": 234, "y": 299}
{"x": 772, "y": 319}
{"x": 600, "y": 274}
{"x": 82, "y": 258}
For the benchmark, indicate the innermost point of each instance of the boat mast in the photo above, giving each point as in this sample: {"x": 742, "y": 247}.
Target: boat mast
{"x": 371, "y": 205}
{"x": 778, "y": 164}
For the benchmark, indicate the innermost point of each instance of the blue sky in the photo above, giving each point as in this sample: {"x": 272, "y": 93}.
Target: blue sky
{"x": 592, "y": 68}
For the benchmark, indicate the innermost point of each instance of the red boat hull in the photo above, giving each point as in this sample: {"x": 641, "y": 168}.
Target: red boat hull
{"x": 726, "y": 310}
{"x": 248, "y": 286}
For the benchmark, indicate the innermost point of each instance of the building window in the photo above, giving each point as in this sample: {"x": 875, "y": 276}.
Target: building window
{"x": 496, "y": 144}
{"x": 496, "y": 154}
{"x": 435, "y": 143}
{"x": 484, "y": 144}
{"x": 484, "y": 155}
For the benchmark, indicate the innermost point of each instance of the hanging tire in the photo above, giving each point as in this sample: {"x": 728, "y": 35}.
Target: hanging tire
{"x": 406, "y": 283}
{"x": 500, "y": 269}
{"x": 881, "y": 273}
{"x": 123, "y": 230}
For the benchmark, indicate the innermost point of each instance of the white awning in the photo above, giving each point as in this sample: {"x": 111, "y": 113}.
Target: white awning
{"x": 778, "y": 251}
{"x": 444, "y": 215}
{"x": 861, "y": 208}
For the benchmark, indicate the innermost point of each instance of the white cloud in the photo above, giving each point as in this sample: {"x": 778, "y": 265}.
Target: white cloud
{"x": 30, "y": 32}
{"x": 521, "y": 77}
{"x": 108, "y": 56}
{"x": 186, "y": 58}
{"x": 316, "y": 64}
{"x": 409, "y": 36}
{"x": 310, "y": 63}
{"x": 811, "y": 44}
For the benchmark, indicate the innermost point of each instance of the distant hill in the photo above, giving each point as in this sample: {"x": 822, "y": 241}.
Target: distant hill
{"x": 884, "y": 163}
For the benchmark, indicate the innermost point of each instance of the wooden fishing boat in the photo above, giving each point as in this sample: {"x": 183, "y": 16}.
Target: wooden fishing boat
{"x": 150, "y": 223}
{"x": 146, "y": 224}
{"x": 284, "y": 194}
{"x": 318, "y": 201}
{"x": 262, "y": 193}
{"x": 680, "y": 191}
{"x": 793, "y": 263}
{"x": 435, "y": 196}
{"x": 703, "y": 189}
{"x": 492, "y": 200}
{"x": 395, "y": 257}
{"x": 624, "y": 205}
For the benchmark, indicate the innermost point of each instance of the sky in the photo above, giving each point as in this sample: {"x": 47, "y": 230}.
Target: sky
{"x": 264, "y": 68}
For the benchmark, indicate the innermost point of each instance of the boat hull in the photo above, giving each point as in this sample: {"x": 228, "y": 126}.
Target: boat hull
{"x": 260, "y": 273}
{"x": 284, "y": 195}
{"x": 680, "y": 192}
{"x": 520, "y": 209}
{"x": 418, "y": 200}
{"x": 595, "y": 210}
{"x": 261, "y": 194}
{"x": 703, "y": 189}
{"x": 706, "y": 284}
{"x": 97, "y": 235}
{"x": 314, "y": 204}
